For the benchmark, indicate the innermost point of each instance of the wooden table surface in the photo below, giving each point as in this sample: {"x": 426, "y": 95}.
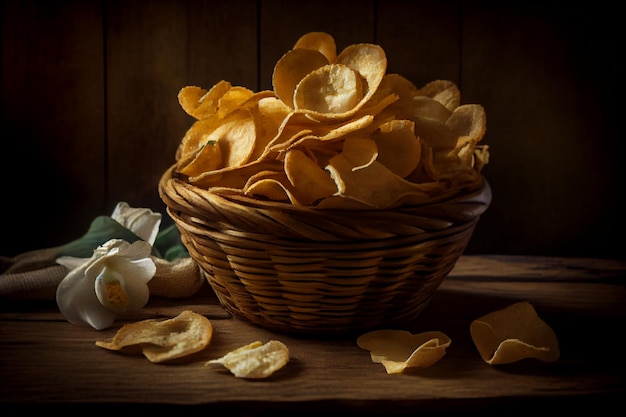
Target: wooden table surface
{"x": 44, "y": 360}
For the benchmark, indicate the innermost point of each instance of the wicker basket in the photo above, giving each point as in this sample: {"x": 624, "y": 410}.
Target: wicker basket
{"x": 305, "y": 271}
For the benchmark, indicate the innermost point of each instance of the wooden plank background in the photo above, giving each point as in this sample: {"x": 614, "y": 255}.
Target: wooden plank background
{"x": 89, "y": 114}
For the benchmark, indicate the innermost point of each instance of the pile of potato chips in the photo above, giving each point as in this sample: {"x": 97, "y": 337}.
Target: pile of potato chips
{"x": 337, "y": 131}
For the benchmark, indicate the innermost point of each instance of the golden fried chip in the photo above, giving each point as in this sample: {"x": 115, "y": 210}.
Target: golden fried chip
{"x": 233, "y": 99}
{"x": 398, "y": 85}
{"x": 270, "y": 184}
{"x": 292, "y": 67}
{"x": 319, "y": 41}
{"x": 435, "y": 133}
{"x": 398, "y": 350}
{"x": 310, "y": 181}
{"x": 325, "y": 133}
{"x": 196, "y": 137}
{"x": 200, "y": 103}
{"x": 468, "y": 121}
{"x": 369, "y": 61}
{"x": 209, "y": 158}
{"x": 422, "y": 106}
{"x": 374, "y": 185}
{"x": 512, "y": 334}
{"x": 234, "y": 177}
{"x": 361, "y": 152}
{"x": 366, "y": 66}
{"x": 329, "y": 90}
{"x": 271, "y": 189}
{"x": 163, "y": 340}
{"x": 398, "y": 148}
{"x": 444, "y": 91}
{"x": 481, "y": 157}
{"x": 270, "y": 114}
{"x": 236, "y": 138}
{"x": 255, "y": 360}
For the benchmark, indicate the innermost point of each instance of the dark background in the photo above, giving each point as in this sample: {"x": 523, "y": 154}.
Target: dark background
{"x": 90, "y": 117}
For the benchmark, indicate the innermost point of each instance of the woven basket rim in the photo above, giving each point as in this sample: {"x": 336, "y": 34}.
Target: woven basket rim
{"x": 195, "y": 207}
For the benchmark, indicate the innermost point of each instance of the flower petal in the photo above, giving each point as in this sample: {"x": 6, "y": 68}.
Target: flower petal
{"x": 141, "y": 221}
{"x": 70, "y": 262}
{"x": 78, "y": 302}
{"x": 137, "y": 250}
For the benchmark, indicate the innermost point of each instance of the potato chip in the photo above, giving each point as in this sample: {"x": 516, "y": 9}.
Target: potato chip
{"x": 269, "y": 184}
{"x": 232, "y": 100}
{"x": 468, "y": 121}
{"x": 398, "y": 350}
{"x": 369, "y": 60}
{"x": 163, "y": 340}
{"x": 326, "y": 133}
{"x": 292, "y": 67}
{"x": 435, "y": 133}
{"x": 422, "y": 106}
{"x": 360, "y": 152}
{"x": 255, "y": 360}
{"x": 374, "y": 185}
{"x": 398, "y": 85}
{"x": 398, "y": 148}
{"x": 195, "y": 138}
{"x": 269, "y": 114}
{"x": 310, "y": 182}
{"x": 235, "y": 176}
{"x": 200, "y": 103}
{"x": 512, "y": 334}
{"x": 236, "y": 138}
{"x": 444, "y": 91}
{"x": 271, "y": 189}
{"x": 366, "y": 65}
{"x": 319, "y": 41}
{"x": 209, "y": 158}
{"x": 329, "y": 90}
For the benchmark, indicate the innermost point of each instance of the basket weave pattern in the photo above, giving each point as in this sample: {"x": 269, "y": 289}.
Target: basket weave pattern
{"x": 300, "y": 270}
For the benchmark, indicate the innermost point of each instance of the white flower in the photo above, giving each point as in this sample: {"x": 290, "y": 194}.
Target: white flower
{"x": 114, "y": 281}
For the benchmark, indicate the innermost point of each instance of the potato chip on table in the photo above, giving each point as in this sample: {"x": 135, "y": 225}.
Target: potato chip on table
{"x": 255, "y": 360}
{"x": 514, "y": 333}
{"x": 398, "y": 350}
{"x": 163, "y": 340}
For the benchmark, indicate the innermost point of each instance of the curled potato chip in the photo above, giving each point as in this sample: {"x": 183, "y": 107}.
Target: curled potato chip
{"x": 398, "y": 147}
{"x": 208, "y": 158}
{"x": 319, "y": 41}
{"x": 374, "y": 185}
{"x": 163, "y": 340}
{"x": 270, "y": 184}
{"x": 331, "y": 89}
{"x": 512, "y": 334}
{"x": 360, "y": 66}
{"x": 236, "y": 139}
{"x": 200, "y": 103}
{"x": 468, "y": 121}
{"x": 292, "y": 67}
{"x": 310, "y": 182}
{"x": 398, "y": 350}
{"x": 255, "y": 360}
{"x": 444, "y": 91}
{"x": 360, "y": 152}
